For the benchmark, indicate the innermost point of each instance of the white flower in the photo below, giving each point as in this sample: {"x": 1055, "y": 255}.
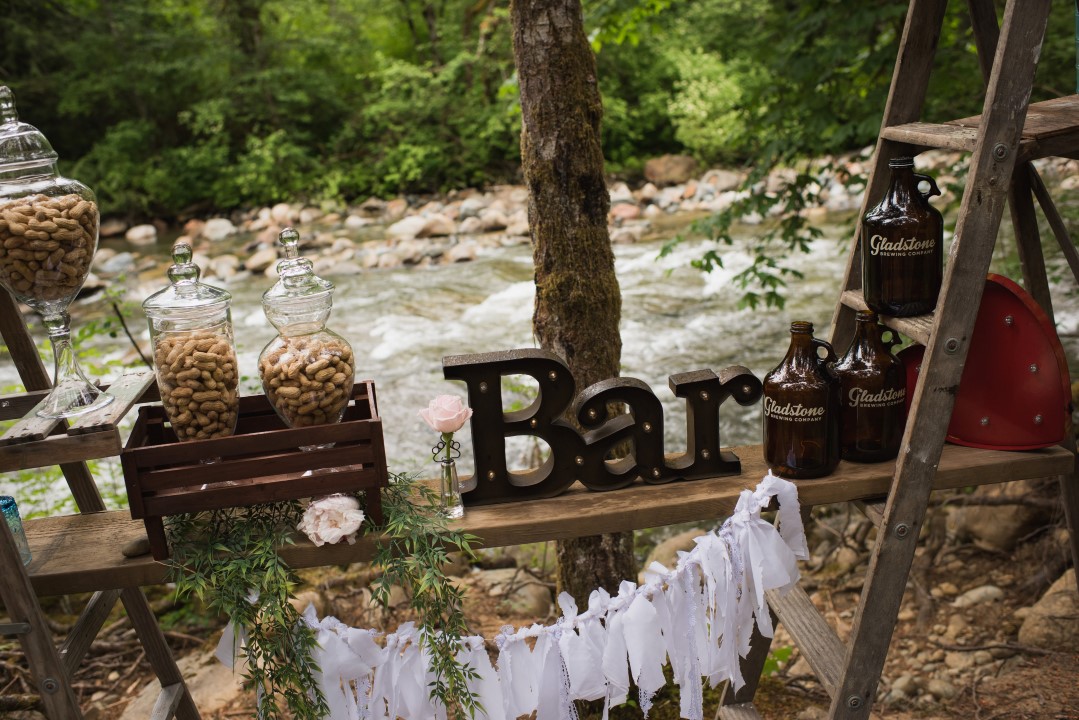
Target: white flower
{"x": 330, "y": 519}
{"x": 446, "y": 414}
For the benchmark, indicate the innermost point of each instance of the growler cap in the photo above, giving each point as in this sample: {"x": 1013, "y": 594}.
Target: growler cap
{"x": 901, "y": 162}
{"x": 185, "y": 292}
{"x": 21, "y": 145}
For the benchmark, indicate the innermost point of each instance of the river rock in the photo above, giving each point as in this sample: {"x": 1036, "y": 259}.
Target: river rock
{"x": 461, "y": 252}
{"x": 472, "y": 207}
{"x": 225, "y": 266}
{"x": 345, "y": 267}
{"x": 941, "y": 689}
{"x": 620, "y": 193}
{"x": 281, "y": 213}
{"x": 518, "y": 226}
{"x": 722, "y": 180}
{"x": 493, "y": 220}
{"x": 212, "y": 687}
{"x": 218, "y": 229}
{"x": 407, "y": 228}
{"x": 141, "y": 235}
{"x": 310, "y": 215}
{"x": 121, "y": 262}
{"x": 355, "y": 222}
{"x": 1000, "y": 527}
{"x": 1053, "y": 621}
{"x": 625, "y": 211}
{"x": 112, "y": 228}
{"x": 627, "y": 235}
{"x": 978, "y": 595}
{"x": 647, "y": 193}
{"x": 437, "y": 225}
{"x": 260, "y": 260}
{"x": 690, "y": 190}
{"x": 669, "y": 197}
{"x": 670, "y": 169}
{"x": 388, "y": 260}
{"x": 396, "y": 208}
{"x": 905, "y": 684}
{"x": 471, "y": 225}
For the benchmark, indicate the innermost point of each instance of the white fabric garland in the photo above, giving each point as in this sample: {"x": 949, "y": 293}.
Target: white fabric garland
{"x": 699, "y": 616}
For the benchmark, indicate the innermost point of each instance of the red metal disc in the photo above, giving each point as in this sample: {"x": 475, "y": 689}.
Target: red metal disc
{"x": 1015, "y": 393}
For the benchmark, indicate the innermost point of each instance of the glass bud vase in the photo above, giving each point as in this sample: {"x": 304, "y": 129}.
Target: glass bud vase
{"x": 451, "y": 504}
{"x": 14, "y": 523}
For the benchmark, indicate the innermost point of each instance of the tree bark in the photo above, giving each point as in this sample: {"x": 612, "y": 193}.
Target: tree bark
{"x": 578, "y": 302}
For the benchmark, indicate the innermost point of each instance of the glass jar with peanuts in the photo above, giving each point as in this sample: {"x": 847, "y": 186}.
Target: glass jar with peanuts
{"x": 307, "y": 371}
{"x": 194, "y": 352}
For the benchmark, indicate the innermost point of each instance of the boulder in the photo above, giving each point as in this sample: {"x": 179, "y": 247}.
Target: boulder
{"x": 281, "y": 213}
{"x": 461, "y": 252}
{"x": 620, "y": 193}
{"x": 1001, "y": 527}
{"x": 1053, "y": 622}
{"x": 261, "y": 259}
{"x": 472, "y": 207}
{"x": 372, "y": 207}
{"x": 355, "y": 222}
{"x": 670, "y": 169}
{"x": 437, "y": 225}
{"x": 722, "y": 180}
{"x": 345, "y": 267}
{"x": 625, "y": 211}
{"x": 141, "y": 235}
{"x": 647, "y": 193}
{"x": 118, "y": 263}
{"x": 396, "y": 208}
{"x": 627, "y": 235}
{"x": 225, "y": 266}
{"x": 407, "y": 228}
{"x": 388, "y": 260}
{"x": 112, "y": 228}
{"x": 471, "y": 225}
{"x": 213, "y": 687}
{"x": 218, "y": 229}
{"x": 310, "y": 215}
{"x": 493, "y": 220}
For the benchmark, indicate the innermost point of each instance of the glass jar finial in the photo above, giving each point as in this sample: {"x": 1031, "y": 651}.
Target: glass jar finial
{"x": 8, "y": 113}
{"x": 183, "y": 271}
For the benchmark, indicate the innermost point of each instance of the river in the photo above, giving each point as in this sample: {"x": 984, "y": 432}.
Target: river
{"x": 402, "y": 322}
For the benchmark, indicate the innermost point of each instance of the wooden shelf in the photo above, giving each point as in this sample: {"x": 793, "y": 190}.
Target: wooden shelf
{"x": 81, "y": 553}
{"x": 1051, "y": 129}
{"x": 917, "y": 328}
{"x": 34, "y": 442}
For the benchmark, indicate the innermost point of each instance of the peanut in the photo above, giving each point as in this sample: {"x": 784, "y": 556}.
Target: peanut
{"x": 308, "y": 379}
{"x": 47, "y": 245}
{"x": 196, "y": 402}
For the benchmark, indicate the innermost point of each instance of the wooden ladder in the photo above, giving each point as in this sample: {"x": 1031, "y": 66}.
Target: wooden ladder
{"x": 1003, "y": 141}
{"x": 52, "y": 667}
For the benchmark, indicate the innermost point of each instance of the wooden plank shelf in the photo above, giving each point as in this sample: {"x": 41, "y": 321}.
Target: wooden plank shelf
{"x": 1052, "y": 128}
{"x": 918, "y": 328}
{"x": 81, "y": 553}
{"x": 39, "y": 442}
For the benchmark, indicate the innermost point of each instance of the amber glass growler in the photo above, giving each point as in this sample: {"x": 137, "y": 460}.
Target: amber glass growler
{"x": 801, "y": 409}
{"x": 873, "y": 391}
{"x": 903, "y": 246}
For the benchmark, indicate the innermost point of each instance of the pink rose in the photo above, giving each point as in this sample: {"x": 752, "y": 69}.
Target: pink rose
{"x": 332, "y": 518}
{"x": 446, "y": 414}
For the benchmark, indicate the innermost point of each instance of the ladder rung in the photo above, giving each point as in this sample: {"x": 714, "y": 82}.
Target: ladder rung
{"x": 167, "y": 702}
{"x": 745, "y": 711}
{"x": 86, "y": 628}
{"x": 872, "y": 510}
{"x": 917, "y": 328}
{"x": 815, "y": 638}
{"x": 933, "y": 135}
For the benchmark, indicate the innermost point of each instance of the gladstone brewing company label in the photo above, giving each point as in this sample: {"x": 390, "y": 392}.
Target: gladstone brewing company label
{"x": 862, "y": 398}
{"x": 904, "y": 247}
{"x": 791, "y": 412}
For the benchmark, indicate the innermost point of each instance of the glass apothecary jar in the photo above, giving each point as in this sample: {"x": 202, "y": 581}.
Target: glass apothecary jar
{"x": 194, "y": 352}
{"x": 48, "y": 236}
{"x": 307, "y": 371}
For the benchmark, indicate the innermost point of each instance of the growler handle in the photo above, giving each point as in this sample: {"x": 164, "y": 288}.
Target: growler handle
{"x": 830, "y": 357}
{"x": 933, "y": 189}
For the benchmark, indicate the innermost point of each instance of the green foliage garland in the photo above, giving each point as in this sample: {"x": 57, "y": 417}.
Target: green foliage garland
{"x": 228, "y": 559}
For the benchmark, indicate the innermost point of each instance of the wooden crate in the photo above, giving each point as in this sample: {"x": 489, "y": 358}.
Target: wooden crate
{"x": 262, "y": 462}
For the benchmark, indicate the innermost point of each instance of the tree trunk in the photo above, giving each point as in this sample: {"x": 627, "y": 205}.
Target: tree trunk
{"x": 578, "y": 302}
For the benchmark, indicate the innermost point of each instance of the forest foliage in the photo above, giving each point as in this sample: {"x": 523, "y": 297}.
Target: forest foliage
{"x": 176, "y": 107}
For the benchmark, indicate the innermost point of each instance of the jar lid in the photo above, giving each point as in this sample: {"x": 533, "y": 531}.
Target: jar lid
{"x": 296, "y": 278}
{"x": 185, "y": 290}
{"x": 21, "y": 145}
